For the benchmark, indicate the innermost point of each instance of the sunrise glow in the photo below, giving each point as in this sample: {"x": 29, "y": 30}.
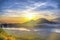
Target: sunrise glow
{"x": 29, "y": 16}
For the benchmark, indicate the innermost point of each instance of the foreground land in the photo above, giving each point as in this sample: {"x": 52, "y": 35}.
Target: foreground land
{"x": 6, "y": 34}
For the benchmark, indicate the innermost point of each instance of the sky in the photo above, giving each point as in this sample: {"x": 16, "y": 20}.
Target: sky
{"x": 18, "y": 8}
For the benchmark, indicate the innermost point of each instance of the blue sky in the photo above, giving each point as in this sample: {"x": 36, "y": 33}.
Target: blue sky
{"x": 12, "y": 7}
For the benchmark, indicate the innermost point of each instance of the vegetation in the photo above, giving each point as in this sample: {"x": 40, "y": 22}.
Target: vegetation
{"x": 27, "y": 36}
{"x": 6, "y": 36}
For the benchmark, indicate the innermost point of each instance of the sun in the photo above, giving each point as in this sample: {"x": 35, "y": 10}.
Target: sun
{"x": 29, "y": 16}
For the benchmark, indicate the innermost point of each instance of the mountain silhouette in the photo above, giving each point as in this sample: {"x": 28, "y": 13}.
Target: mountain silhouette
{"x": 44, "y": 23}
{"x": 56, "y": 20}
{"x": 33, "y": 23}
{"x": 39, "y": 21}
{"x": 43, "y": 20}
{"x": 29, "y": 24}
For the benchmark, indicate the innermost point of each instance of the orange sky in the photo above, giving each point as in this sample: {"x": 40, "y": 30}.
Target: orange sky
{"x": 13, "y": 20}
{"x": 21, "y": 19}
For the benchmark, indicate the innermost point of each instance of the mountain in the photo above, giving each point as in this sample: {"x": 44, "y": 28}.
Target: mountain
{"x": 56, "y": 20}
{"x": 43, "y": 20}
{"x": 30, "y": 24}
{"x": 37, "y": 23}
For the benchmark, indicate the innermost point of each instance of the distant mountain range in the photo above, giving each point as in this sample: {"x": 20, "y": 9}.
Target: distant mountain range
{"x": 42, "y": 22}
{"x": 56, "y": 20}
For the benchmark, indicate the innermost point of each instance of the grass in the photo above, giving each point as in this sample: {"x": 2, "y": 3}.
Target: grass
{"x": 25, "y": 36}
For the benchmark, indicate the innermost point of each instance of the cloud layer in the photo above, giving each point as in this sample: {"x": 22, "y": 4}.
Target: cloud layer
{"x": 17, "y": 7}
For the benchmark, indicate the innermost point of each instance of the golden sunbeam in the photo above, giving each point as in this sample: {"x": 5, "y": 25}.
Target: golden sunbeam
{"x": 29, "y": 16}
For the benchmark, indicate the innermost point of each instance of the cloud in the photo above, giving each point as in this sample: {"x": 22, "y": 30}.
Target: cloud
{"x": 56, "y": 30}
{"x": 24, "y": 4}
{"x": 20, "y": 29}
{"x": 35, "y": 5}
{"x": 16, "y": 13}
{"x": 11, "y": 13}
{"x": 17, "y": 7}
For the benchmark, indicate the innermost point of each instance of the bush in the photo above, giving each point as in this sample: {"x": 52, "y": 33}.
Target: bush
{"x": 2, "y": 38}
